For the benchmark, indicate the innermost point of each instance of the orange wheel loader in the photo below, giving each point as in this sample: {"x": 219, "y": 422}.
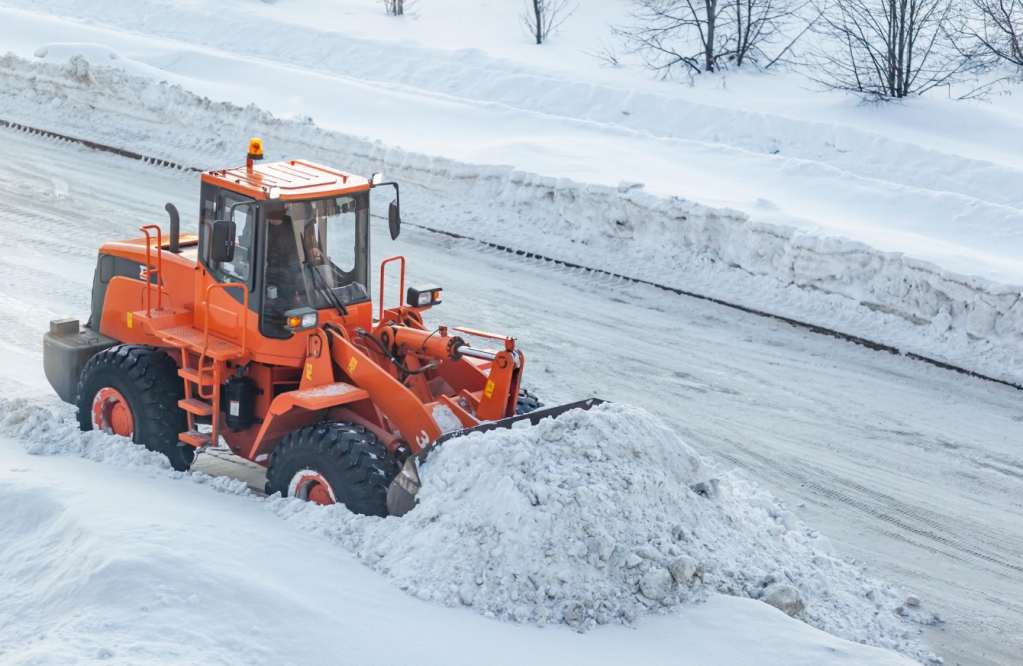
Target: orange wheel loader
{"x": 260, "y": 333}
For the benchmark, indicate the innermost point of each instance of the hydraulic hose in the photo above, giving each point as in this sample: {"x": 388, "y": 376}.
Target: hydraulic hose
{"x": 406, "y": 371}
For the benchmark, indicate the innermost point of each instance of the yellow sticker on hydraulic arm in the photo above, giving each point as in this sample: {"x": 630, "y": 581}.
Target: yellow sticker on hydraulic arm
{"x": 351, "y": 365}
{"x": 308, "y": 370}
{"x": 129, "y": 320}
{"x": 489, "y": 390}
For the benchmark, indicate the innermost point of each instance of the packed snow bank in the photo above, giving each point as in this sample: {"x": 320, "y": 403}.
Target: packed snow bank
{"x": 888, "y": 297}
{"x": 588, "y": 519}
{"x": 358, "y": 41}
{"x": 335, "y": 43}
{"x": 591, "y": 519}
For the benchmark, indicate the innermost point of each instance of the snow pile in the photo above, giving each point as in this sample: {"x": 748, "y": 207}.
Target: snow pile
{"x": 98, "y": 566}
{"x": 45, "y": 433}
{"x": 446, "y": 419}
{"x": 592, "y": 519}
{"x": 884, "y": 296}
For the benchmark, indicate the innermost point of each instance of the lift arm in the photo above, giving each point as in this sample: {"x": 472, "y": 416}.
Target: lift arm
{"x": 409, "y": 417}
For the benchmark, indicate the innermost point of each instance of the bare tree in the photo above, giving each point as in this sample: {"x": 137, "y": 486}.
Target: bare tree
{"x": 708, "y": 35}
{"x": 397, "y": 7}
{"x": 675, "y": 34}
{"x": 541, "y": 17}
{"x": 886, "y": 48}
{"x": 757, "y": 24}
{"x": 994, "y": 30}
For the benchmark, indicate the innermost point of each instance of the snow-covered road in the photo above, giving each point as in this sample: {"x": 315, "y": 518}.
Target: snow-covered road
{"x": 910, "y": 468}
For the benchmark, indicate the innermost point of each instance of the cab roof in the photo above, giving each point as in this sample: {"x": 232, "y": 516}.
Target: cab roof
{"x": 296, "y": 179}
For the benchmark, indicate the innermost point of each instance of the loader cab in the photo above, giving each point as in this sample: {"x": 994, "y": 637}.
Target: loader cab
{"x": 294, "y": 251}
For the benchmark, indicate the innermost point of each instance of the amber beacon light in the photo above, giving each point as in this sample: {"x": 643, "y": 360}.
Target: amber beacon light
{"x": 255, "y": 151}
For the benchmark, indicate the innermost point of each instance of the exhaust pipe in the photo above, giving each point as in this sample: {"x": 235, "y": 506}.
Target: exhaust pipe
{"x": 175, "y": 228}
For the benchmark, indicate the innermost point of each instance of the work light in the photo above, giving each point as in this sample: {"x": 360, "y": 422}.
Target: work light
{"x": 301, "y": 319}
{"x": 424, "y": 296}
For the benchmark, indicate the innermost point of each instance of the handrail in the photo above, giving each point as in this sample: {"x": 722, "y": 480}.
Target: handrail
{"x": 149, "y": 267}
{"x": 206, "y": 324}
{"x": 383, "y": 264}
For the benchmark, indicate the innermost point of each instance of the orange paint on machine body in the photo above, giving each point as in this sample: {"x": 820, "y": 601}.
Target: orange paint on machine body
{"x": 263, "y": 328}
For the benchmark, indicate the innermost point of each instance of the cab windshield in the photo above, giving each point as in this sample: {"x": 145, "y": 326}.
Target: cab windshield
{"x": 313, "y": 256}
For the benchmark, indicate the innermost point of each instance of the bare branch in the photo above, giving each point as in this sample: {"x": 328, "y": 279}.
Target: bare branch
{"x": 606, "y": 53}
{"x": 541, "y": 17}
{"x": 993, "y": 31}
{"x": 710, "y": 35}
{"x": 890, "y": 48}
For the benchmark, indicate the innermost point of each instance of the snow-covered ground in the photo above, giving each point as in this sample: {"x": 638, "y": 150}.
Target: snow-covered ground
{"x": 899, "y": 224}
{"x": 108, "y": 555}
{"x": 825, "y": 425}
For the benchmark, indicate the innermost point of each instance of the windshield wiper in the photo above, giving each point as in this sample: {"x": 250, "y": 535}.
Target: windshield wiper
{"x": 331, "y": 296}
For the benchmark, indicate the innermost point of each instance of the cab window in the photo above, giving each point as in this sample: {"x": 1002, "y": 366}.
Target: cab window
{"x": 234, "y": 206}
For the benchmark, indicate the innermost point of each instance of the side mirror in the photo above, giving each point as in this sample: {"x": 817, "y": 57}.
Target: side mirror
{"x": 394, "y": 219}
{"x": 222, "y": 241}
{"x": 376, "y": 178}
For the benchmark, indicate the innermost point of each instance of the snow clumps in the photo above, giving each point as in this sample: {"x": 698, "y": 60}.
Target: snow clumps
{"x": 592, "y": 518}
{"x": 603, "y": 517}
{"x": 45, "y": 431}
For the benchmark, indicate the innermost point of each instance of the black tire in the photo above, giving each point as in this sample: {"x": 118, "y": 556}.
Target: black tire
{"x": 148, "y": 380}
{"x": 350, "y": 457}
{"x": 527, "y": 402}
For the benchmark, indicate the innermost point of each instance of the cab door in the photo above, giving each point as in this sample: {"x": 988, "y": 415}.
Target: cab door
{"x": 225, "y": 307}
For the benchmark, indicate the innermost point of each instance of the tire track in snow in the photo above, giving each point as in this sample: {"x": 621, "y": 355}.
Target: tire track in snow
{"x": 934, "y": 527}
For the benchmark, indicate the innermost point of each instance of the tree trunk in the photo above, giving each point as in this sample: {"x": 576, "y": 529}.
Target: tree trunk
{"x": 708, "y": 46}
{"x": 740, "y": 47}
{"x": 890, "y": 46}
{"x": 539, "y": 21}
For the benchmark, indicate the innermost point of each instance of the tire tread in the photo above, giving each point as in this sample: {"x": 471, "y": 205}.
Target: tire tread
{"x": 153, "y": 390}
{"x": 355, "y": 463}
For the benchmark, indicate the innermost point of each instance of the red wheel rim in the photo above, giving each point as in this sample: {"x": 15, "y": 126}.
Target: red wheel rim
{"x": 312, "y": 487}
{"x": 111, "y": 414}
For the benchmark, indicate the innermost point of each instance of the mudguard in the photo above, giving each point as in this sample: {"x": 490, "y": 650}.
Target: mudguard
{"x": 67, "y": 347}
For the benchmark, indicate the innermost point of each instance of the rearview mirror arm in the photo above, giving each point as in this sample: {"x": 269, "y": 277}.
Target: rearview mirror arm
{"x": 397, "y": 193}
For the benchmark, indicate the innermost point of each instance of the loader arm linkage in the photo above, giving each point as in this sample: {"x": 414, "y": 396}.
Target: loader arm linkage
{"x": 402, "y": 408}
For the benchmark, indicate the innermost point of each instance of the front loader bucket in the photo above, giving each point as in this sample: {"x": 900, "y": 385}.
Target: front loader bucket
{"x": 401, "y": 494}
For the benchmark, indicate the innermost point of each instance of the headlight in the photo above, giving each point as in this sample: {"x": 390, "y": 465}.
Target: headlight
{"x": 301, "y": 319}
{"x": 424, "y": 296}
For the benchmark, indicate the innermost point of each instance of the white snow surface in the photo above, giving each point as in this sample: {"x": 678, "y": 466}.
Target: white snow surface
{"x": 582, "y": 520}
{"x": 826, "y": 280}
{"x": 587, "y": 519}
{"x": 327, "y": 390}
{"x": 446, "y": 419}
{"x": 45, "y": 432}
